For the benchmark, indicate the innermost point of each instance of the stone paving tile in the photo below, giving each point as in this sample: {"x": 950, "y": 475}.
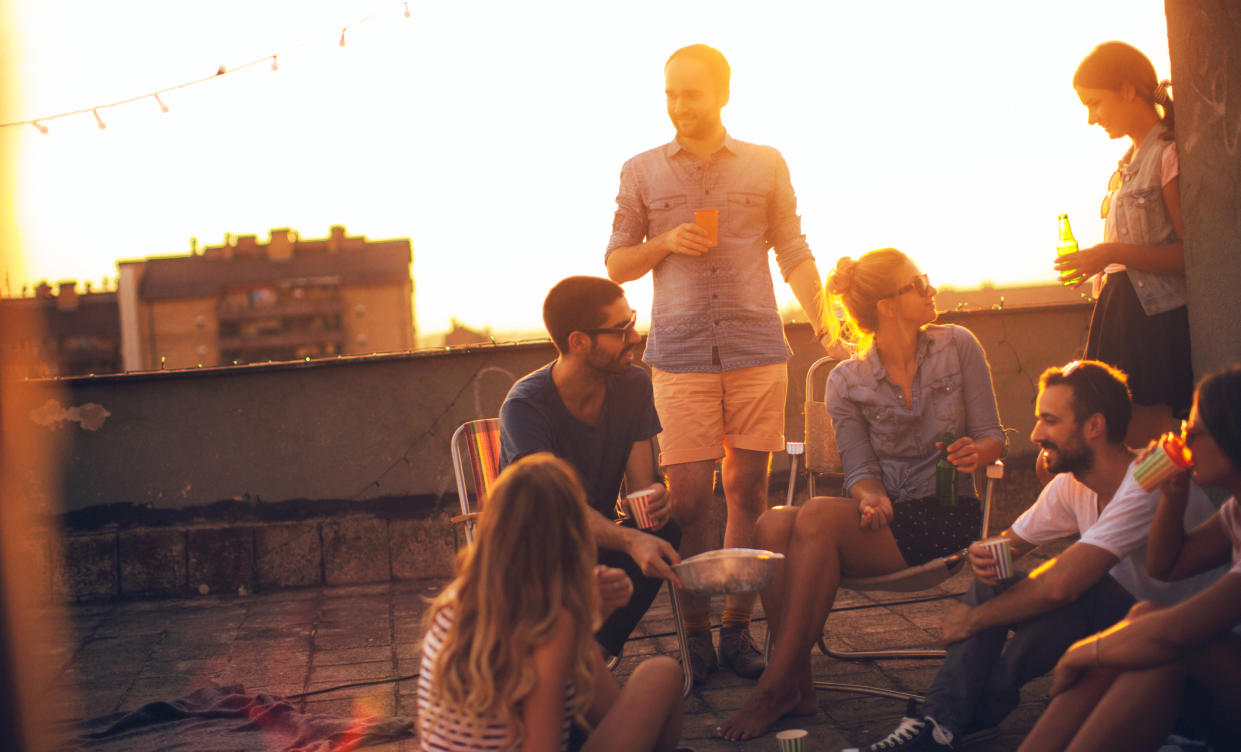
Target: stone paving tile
{"x": 346, "y": 656}
{"x": 286, "y": 642}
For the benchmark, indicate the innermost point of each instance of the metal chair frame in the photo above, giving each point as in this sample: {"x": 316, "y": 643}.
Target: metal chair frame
{"x": 821, "y": 456}
{"x": 481, "y": 455}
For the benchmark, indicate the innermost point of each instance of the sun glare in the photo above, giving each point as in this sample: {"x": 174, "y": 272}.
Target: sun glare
{"x": 493, "y": 140}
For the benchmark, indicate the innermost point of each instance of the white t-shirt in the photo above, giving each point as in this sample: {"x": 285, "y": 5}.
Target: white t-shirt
{"x": 1067, "y": 507}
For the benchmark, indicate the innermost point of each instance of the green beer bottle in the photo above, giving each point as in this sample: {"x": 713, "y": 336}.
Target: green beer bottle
{"x": 946, "y": 474}
{"x": 1067, "y": 244}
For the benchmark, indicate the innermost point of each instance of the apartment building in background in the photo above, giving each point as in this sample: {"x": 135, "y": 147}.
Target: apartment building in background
{"x": 251, "y": 302}
{"x": 59, "y": 332}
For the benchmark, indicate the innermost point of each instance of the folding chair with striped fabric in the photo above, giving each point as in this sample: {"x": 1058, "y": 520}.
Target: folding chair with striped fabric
{"x": 480, "y": 440}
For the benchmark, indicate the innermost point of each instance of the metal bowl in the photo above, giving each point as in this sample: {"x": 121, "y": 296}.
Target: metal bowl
{"x": 729, "y": 570}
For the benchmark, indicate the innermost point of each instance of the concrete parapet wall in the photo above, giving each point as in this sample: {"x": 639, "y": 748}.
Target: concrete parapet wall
{"x": 338, "y": 471}
{"x": 355, "y": 430}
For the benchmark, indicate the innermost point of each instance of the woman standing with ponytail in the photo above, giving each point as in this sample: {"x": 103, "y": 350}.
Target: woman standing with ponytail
{"x": 1140, "y": 323}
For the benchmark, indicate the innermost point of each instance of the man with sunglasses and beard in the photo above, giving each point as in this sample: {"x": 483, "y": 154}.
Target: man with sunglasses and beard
{"x": 593, "y": 408}
{"x": 1082, "y": 414}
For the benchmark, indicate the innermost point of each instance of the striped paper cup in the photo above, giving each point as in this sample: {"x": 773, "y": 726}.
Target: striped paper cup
{"x": 792, "y": 740}
{"x": 1003, "y": 557}
{"x": 1170, "y": 456}
{"x": 636, "y": 502}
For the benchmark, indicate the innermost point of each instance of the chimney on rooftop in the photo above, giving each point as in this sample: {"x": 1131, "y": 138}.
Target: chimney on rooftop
{"x": 336, "y": 242}
{"x": 43, "y": 291}
{"x": 67, "y": 296}
{"x": 280, "y": 247}
{"x": 247, "y": 245}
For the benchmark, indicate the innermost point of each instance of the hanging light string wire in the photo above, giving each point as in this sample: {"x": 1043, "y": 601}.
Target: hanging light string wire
{"x": 40, "y": 123}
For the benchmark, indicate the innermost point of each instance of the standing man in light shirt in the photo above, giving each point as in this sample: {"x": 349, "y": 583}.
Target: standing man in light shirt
{"x": 716, "y": 343}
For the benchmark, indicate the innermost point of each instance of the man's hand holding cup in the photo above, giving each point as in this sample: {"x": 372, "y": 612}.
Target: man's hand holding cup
{"x": 992, "y": 560}
{"x": 649, "y": 507}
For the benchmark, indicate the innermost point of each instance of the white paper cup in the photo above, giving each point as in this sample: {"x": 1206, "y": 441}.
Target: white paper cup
{"x": 636, "y": 504}
{"x": 792, "y": 740}
{"x": 999, "y": 548}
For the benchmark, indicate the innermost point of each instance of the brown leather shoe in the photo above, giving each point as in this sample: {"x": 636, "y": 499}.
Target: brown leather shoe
{"x": 737, "y": 651}
{"x": 701, "y": 656}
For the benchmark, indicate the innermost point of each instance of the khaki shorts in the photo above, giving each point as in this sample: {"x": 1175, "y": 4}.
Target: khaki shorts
{"x": 704, "y": 412}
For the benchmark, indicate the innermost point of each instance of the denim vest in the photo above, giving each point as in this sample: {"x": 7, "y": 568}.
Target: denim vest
{"x": 880, "y": 437}
{"x": 1141, "y": 218}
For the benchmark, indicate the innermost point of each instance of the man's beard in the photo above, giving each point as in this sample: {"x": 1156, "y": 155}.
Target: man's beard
{"x": 1070, "y": 460}
{"x": 612, "y": 365}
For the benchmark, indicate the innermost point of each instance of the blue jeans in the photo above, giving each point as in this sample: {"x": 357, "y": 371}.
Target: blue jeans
{"x": 981, "y": 679}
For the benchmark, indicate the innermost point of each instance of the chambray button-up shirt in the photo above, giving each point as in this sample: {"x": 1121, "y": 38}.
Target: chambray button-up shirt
{"x": 715, "y": 312}
{"x": 879, "y": 437}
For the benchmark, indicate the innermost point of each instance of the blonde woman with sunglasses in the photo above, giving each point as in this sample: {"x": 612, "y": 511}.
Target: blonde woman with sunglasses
{"x": 509, "y": 661}
{"x": 911, "y": 382}
{"x": 1140, "y": 323}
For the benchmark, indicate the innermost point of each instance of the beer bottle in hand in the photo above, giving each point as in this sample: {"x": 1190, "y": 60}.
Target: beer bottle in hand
{"x": 1067, "y": 244}
{"x": 946, "y": 474}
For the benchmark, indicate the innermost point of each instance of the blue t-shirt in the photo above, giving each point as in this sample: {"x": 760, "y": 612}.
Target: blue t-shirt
{"x": 534, "y": 419}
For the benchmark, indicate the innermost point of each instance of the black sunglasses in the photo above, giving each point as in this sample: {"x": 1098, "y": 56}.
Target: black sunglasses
{"x": 620, "y": 331}
{"x": 921, "y": 284}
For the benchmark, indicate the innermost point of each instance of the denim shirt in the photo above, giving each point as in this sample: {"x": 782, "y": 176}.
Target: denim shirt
{"x": 715, "y": 312}
{"x": 1141, "y": 218}
{"x": 879, "y": 437}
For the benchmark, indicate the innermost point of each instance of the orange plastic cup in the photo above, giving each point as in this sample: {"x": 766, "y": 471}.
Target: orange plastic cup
{"x": 709, "y": 220}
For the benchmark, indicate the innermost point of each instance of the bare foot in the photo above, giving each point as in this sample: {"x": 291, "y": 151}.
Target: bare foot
{"x": 763, "y": 708}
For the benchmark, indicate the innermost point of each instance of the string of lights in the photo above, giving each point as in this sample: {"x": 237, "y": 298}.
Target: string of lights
{"x": 273, "y": 59}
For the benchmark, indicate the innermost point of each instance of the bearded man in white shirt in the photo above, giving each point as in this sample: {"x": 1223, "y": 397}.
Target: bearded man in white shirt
{"x": 1082, "y": 415}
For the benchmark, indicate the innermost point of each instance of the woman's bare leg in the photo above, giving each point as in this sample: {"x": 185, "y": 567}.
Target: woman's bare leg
{"x": 1137, "y": 712}
{"x": 826, "y": 538}
{"x": 774, "y": 533}
{"x": 1067, "y": 712}
{"x": 645, "y": 714}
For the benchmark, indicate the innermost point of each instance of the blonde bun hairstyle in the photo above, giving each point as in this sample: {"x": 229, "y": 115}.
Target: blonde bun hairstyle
{"x": 860, "y": 285}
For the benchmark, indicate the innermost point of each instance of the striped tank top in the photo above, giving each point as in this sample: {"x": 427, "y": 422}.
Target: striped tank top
{"x": 444, "y": 729}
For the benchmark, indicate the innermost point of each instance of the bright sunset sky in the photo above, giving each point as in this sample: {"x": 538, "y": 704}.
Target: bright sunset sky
{"x": 492, "y": 133}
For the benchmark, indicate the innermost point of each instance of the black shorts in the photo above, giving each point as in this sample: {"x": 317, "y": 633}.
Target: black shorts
{"x": 925, "y": 529}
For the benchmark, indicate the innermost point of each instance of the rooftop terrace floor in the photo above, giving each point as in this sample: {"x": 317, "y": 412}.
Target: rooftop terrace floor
{"x": 123, "y": 654}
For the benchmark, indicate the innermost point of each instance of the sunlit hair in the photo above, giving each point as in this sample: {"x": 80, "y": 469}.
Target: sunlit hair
{"x": 1113, "y": 64}
{"x": 1097, "y": 388}
{"x": 1219, "y": 406}
{"x": 532, "y": 558}
{"x": 860, "y": 285}
{"x": 717, "y": 66}
{"x": 577, "y": 303}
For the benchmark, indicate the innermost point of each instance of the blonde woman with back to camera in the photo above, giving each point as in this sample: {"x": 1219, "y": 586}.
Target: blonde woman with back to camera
{"x": 891, "y": 404}
{"x": 509, "y": 660}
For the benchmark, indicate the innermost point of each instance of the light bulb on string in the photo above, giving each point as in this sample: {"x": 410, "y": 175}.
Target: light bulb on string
{"x": 98, "y": 120}
{"x": 162, "y": 107}
{"x": 274, "y": 65}
{"x": 342, "y": 36}
{"x": 39, "y": 126}
{"x": 407, "y": 8}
